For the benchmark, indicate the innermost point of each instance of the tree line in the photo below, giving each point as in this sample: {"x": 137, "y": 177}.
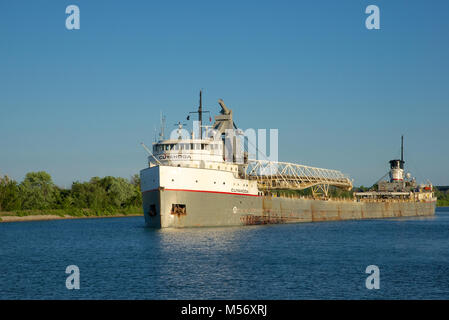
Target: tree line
{"x": 442, "y": 194}
{"x": 109, "y": 194}
{"x": 38, "y": 192}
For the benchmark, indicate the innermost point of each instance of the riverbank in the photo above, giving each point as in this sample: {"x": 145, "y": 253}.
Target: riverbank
{"x": 34, "y": 215}
{"x": 53, "y": 217}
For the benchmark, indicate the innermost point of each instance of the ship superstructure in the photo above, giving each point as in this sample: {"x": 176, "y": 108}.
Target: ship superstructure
{"x": 205, "y": 178}
{"x": 400, "y": 185}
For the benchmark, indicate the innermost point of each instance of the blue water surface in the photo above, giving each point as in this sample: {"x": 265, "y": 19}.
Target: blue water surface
{"x": 119, "y": 258}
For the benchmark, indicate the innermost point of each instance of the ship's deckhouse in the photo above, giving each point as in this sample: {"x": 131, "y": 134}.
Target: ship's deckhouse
{"x": 193, "y": 162}
{"x": 192, "y": 153}
{"x": 198, "y": 150}
{"x": 189, "y": 150}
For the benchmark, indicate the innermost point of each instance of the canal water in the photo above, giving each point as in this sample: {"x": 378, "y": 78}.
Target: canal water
{"x": 118, "y": 258}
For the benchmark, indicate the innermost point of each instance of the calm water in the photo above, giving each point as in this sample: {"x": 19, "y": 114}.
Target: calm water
{"x": 121, "y": 259}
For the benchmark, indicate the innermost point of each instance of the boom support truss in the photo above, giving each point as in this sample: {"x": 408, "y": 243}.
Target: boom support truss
{"x": 283, "y": 175}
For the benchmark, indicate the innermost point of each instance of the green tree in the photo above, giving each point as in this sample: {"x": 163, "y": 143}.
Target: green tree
{"x": 65, "y": 199}
{"x": 89, "y": 195}
{"x": 9, "y": 194}
{"x": 119, "y": 190}
{"x": 136, "y": 199}
{"x": 135, "y": 180}
{"x": 38, "y": 191}
{"x": 442, "y": 197}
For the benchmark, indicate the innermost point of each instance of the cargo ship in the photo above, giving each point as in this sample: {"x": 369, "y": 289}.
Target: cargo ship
{"x": 203, "y": 179}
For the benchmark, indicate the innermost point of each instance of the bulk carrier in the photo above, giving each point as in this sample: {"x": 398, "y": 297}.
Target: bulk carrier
{"x": 201, "y": 179}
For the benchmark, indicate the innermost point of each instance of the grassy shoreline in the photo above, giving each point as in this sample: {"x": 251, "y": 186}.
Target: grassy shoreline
{"x": 74, "y": 213}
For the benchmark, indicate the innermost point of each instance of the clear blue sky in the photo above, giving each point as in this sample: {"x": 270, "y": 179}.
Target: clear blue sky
{"x": 78, "y": 103}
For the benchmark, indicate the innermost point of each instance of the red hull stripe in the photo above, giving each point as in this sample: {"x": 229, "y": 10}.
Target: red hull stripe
{"x": 237, "y": 194}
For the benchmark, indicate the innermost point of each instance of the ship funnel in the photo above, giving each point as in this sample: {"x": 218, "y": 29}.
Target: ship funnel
{"x": 397, "y": 166}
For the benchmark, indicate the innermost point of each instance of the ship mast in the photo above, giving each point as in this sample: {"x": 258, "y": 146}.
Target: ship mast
{"x": 402, "y": 151}
{"x": 200, "y": 115}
